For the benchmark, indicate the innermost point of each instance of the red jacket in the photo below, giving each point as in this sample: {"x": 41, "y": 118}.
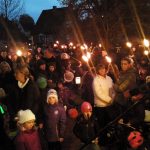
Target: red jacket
{"x": 28, "y": 140}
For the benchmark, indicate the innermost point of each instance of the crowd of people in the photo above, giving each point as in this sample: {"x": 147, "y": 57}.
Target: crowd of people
{"x": 110, "y": 103}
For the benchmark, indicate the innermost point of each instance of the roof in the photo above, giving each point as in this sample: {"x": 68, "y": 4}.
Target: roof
{"x": 50, "y": 20}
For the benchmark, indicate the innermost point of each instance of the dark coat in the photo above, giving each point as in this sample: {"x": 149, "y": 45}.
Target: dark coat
{"x": 86, "y": 130}
{"x": 126, "y": 82}
{"x": 55, "y": 122}
{"x": 27, "y": 97}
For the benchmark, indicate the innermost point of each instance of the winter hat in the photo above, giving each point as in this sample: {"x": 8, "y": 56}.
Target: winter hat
{"x": 68, "y": 76}
{"x": 2, "y": 93}
{"x": 42, "y": 82}
{"x": 86, "y": 107}
{"x": 135, "y": 139}
{"x": 65, "y": 56}
{"x": 52, "y": 93}
{"x": 4, "y": 67}
{"x": 24, "y": 116}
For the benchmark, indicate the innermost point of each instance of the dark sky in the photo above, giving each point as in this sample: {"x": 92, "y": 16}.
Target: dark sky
{"x": 35, "y": 7}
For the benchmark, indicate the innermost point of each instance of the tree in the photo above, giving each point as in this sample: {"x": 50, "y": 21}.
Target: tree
{"x": 114, "y": 20}
{"x": 11, "y": 9}
{"x": 27, "y": 22}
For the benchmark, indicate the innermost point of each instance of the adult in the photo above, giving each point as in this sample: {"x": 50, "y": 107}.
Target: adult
{"x": 27, "y": 93}
{"x": 103, "y": 95}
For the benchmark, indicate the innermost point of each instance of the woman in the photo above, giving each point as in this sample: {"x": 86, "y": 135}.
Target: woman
{"x": 26, "y": 94}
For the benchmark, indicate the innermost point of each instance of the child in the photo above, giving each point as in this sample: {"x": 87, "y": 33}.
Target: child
{"x": 86, "y": 127}
{"x": 55, "y": 121}
{"x": 28, "y": 137}
{"x": 52, "y": 75}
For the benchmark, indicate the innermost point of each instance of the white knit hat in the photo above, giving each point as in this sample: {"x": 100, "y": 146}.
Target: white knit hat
{"x": 52, "y": 93}
{"x": 25, "y": 115}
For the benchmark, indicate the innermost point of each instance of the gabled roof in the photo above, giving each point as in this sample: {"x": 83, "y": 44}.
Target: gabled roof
{"x": 50, "y": 20}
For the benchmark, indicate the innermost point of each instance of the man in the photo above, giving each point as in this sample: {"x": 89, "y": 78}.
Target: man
{"x": 126, "y": 82}
{"x": 103, "y": 95}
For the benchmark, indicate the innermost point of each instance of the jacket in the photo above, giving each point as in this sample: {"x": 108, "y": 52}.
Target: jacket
{"x": 55, "y": 122}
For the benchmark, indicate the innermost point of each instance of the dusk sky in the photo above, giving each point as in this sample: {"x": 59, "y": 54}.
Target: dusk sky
{"x": 35, "y": 7}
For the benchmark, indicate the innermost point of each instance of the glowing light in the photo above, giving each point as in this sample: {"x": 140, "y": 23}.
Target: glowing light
{"x": 19, "y": 53}
{"x": 62, "y": 46}
{"x": 82, "y": 47}
{"x": 129, "y": 44}
{"x": 88, "y": 55}
{"x": 55, "y": 45}
{"x": 85, "y": 46}
{"x": 108, "y": 59}
{"x": 70, "y": 44}
{"x": 85, "y": 58}
{"x": 57, "y": 42}
{"x": 146, "y": 52}
{"x": 146, "y": 43}
{"x": 100, "y": 45}
{"x": 74, "y": 47}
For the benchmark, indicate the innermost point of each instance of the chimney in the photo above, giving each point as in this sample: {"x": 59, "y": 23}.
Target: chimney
{"x": 54, "y": 7}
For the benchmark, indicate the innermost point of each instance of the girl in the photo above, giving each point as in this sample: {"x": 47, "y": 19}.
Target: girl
{"x": 55, "y": 123}
{"x": 28, "y": 137}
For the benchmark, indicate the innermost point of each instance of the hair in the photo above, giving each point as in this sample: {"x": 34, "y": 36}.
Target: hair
{"x": 100, "y": 66}
{"x": 24, "y": 70}
{"x": 126, "y": 59}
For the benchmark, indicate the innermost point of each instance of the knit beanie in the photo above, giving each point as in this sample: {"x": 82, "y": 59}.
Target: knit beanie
{"x": 25, "y": 115}
{"x": 52, "y": 93}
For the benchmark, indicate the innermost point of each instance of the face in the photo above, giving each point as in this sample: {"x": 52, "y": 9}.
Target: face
{"x": 52, "y": 100}
{"x": 125, "y": 65}
{"x": 87, "y": 115}
{"x": 4, "y": 54}
{"x": 43, "y": 67}
{"x": 51, "y": 68}
{"x": 29, "y": 124}
{"x": 102, "y": 72}
{"x": 60, "y": 85}
{"x": 19, "y": 76}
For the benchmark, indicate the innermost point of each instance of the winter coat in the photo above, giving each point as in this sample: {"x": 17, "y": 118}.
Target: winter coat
{"x": 55, "y": 122}
{"x": 86, "y": 130}
{"x": 28, "y": 140}
{"x": 27, "y": 97}
{"x": 126, "y": 82}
